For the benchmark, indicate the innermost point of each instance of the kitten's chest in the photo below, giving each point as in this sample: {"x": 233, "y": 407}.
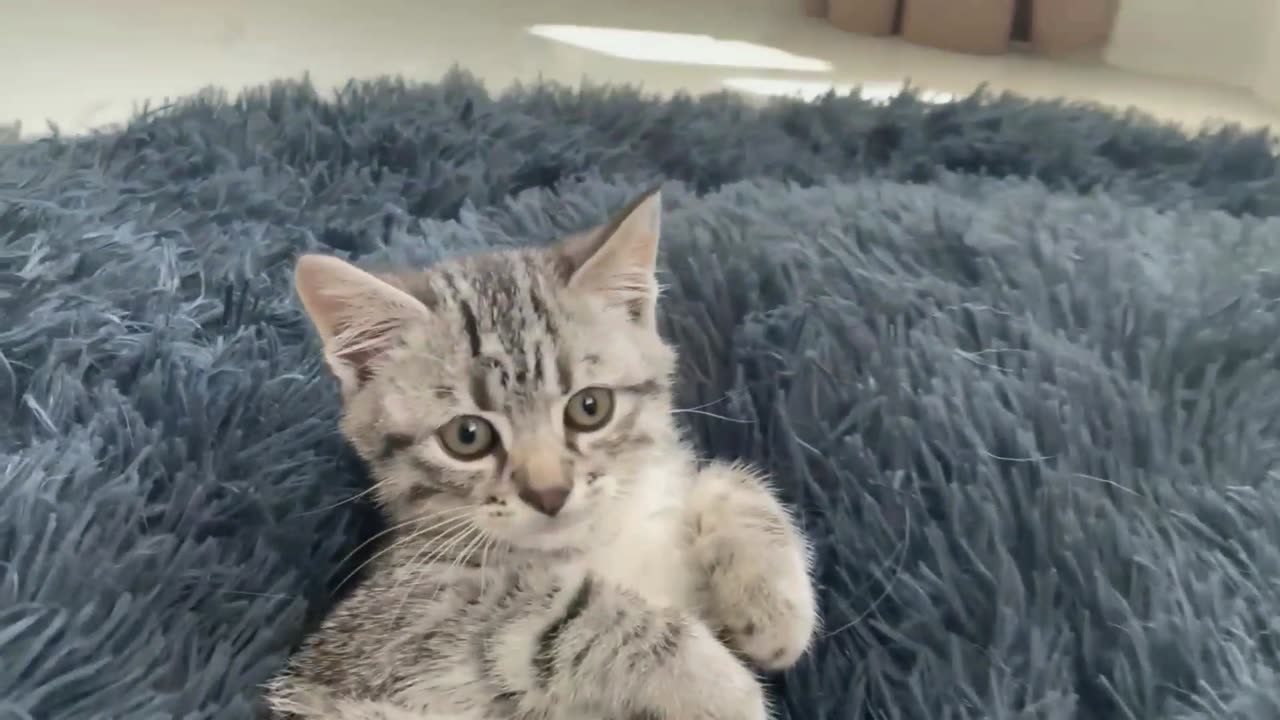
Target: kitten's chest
{"x": 648, "y": 556}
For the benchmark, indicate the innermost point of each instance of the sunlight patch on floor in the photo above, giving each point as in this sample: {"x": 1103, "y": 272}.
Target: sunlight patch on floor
{"x": 685, "y": 48}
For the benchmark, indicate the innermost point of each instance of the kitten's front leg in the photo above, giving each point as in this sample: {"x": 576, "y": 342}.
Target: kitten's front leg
{"x": 575, "y": 643}
{"x": 755, "y": 564}
{"x": 298, "y": 700}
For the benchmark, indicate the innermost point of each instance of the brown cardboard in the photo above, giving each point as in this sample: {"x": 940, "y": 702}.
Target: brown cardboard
{"x": 868, "y": 17}
{"x": 814, "y": 8}
{"x": 1060, "y": 27}
{"x": 979, "y": 27}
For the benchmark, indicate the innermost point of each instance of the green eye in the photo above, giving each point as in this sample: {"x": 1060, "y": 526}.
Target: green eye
{"x": 467, "y": 437}
{"x": 589, "y": 409}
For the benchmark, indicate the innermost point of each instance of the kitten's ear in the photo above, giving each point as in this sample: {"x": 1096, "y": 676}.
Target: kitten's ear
{"x": 356, "y": 314}
{"x": 618, "y": 260}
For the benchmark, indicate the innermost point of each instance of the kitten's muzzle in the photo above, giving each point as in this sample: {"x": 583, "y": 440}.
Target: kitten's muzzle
{"x": 542, "y": 481}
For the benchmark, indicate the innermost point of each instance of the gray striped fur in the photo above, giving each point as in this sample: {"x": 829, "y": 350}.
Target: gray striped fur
{"x": 659, "y": 591}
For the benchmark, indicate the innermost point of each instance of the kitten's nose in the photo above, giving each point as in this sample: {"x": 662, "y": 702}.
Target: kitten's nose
{"x": 539, "y": 473}
{"x": 548, "y": 500}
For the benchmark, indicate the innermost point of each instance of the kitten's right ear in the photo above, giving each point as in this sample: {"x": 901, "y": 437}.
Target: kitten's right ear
{"x": 617, "y": 261}
{"x": 356, "y": 314}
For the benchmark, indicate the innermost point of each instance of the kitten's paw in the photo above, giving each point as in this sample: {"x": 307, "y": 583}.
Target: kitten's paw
{"x": 774, "y": 633}
{"x": 762, "y": 602}
{"x": 756, "y": 562}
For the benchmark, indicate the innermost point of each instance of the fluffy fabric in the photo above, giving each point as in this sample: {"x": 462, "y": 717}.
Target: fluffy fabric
{"x": 1015, "y": 364}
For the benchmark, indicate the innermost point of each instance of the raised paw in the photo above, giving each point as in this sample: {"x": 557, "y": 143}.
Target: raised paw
{"x": 770, "y": 626}
{"x": 755, "y": 565}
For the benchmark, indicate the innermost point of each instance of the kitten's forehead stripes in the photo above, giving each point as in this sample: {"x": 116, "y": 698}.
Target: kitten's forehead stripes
{"x": 564, "y": 369}
{"x": 524, "y": 324}
{"x": 509, "y": 322}
{"x": 506, "y": 309}
{"x": 482, "y": 375}
{"x": 471, "y": 326}
{"x": 539, "y": 307}
{"x": 461, "y": 295}
{"x": 543, "y": 315}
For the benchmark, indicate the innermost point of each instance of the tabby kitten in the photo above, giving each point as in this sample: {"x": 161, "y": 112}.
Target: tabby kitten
{"x": 557, "y": 552}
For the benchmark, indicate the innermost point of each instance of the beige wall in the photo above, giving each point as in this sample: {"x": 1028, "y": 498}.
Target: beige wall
{"x": 1267, "y": 79}
{"x": 1220, "y": 41}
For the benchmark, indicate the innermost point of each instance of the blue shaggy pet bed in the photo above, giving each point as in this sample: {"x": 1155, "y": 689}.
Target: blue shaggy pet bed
{"x": 1016, "y": 365}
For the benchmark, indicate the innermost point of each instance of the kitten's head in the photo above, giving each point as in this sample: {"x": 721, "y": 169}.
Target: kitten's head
{"x": 522, "y": 392}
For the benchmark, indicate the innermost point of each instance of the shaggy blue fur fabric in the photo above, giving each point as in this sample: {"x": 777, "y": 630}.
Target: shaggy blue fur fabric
{"x": 1017, "y": 366}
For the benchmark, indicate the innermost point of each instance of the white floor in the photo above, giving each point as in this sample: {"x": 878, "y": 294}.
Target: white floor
{"x": 82, "y": 64}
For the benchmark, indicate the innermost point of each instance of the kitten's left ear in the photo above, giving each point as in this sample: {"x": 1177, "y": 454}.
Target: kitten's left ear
{"x": 617, "y": 261}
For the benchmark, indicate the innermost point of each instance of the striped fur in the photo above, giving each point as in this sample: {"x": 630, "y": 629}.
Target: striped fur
{"x": 658, "y": 590}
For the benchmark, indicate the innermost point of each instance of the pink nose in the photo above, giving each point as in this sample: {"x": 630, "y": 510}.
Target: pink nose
{"x": 548, "y": 501}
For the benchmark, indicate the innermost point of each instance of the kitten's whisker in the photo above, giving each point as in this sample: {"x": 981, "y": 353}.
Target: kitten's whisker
{"x": 436, "y": 553}
{"x": 500, "y": 548}
{"x": 458, "y": 520}
{"x": 704, "y": 405}
{"x": 417, "y": 569}
{"x": 433, "y": 551}
{"x": 273, "y": 596}
{"x": 484, "y": 556}
{"x": 711, "y": 414}
{"x": 484, "y": 537}
{"x": 398, "y": 543}
{"x": 446, "y": 529}
{"x": 888, "y": 588}
{"x": 463, "y": 557}
{"x": 470, "y": 550}
{"x": 393, "y": 528}
{"x": 447, "y": 550}
{"x": 440, "y": 553}
{"x": 340, "y": 503}
{"x": 412, "y": 567}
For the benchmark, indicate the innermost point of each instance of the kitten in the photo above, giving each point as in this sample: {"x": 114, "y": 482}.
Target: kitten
{"x": 556, "y": 551}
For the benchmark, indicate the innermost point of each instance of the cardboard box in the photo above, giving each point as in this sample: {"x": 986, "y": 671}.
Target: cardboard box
{"x": 979, "y": 27}
{"x": 1061, "y": 27}
{"x": 814, "y": 8}
{"x": 868, "y": 17}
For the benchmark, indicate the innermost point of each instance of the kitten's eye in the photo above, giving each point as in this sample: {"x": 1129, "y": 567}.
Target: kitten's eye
{"x": 589, "y": 409}
{"x": 467, "y": 437}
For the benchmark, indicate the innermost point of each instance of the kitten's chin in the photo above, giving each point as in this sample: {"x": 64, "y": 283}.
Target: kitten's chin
{"x": 570, "y": 533}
